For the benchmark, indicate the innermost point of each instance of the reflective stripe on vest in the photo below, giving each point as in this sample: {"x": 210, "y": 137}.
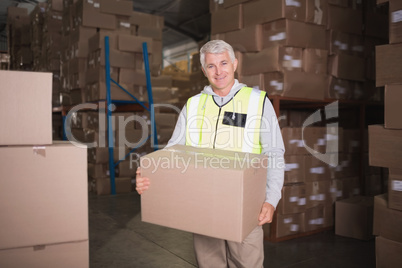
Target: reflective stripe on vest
{"x": 234, "y": 126}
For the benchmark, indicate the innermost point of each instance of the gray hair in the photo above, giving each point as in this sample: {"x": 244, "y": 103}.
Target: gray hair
{"x": 216, "y": 47}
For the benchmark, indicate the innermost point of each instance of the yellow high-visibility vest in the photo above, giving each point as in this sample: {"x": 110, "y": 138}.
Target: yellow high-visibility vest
{"x": 234, "y": 126}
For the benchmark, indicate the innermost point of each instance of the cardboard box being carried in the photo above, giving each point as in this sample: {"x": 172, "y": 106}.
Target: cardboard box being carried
{"x": 211, "y": 192}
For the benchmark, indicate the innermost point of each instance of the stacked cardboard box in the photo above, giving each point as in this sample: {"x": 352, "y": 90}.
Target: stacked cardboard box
{"x": 305, "y": 49}
{"x": 385, "y": 143}
{"x": 80, "y": 51}
{"x": 312, "y": 184}
{"x": 43, "y": 190}
{"x": 188, "y": 78}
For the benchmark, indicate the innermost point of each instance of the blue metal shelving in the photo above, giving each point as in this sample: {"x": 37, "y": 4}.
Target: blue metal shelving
{"x": 109, "y": 107}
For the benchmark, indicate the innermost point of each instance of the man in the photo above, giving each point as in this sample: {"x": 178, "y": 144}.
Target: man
{"x": 228, "y": 115}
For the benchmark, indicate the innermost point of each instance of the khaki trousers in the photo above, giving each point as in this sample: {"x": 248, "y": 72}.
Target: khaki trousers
{"x": 217, "y": 253}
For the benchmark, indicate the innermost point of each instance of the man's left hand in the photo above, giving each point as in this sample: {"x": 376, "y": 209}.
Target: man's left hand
{"x": 266, "y": 214}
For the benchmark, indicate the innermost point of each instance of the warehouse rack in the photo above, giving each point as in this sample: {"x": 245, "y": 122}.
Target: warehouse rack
{"x": 282, "y": 102}
{"x": 120, "y": 106}
{"x": 110, "y": 101}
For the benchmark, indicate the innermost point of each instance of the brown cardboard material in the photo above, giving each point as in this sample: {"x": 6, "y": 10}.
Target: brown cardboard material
{"x": 151, "y": 32}
{"x": 272, "y": 59}
{"x": 354, "y": 217}
{"x": 345, "y": 20}
{"x": 388, "y": 64}
{"x": 315, "y": 61}
{"x": 336, "y": 190}
{"x": 127, "y": 168}
{"x": 289, "y": 224}
{"x": 387, "y": 252}
{"x": 44, "y": 169}
{"x": 318, "y": 193}
{"x": 161, "y": 81}
{"x": 315, "y": 169}
{"x": 317, "y": 12}
{"x": 118, "y": 7}
{"x": 346, "y": 66}
{"x": 100, "y": 155}
{"x": 77, "y": 254}
{"x": 131, "y": 76}
{"x": 97, "y": 40}
{"x": 294, "y": 169}
{"x": 229, "y": 3}
{"x": 387, "y": 220}
{"x": 292, "y": 33}
{"x": 393, "y": 107}
{"x": 145, "y": 19}
{"x": 226, "y": 20}
{"x": 296, "y": 84}
{"x": 258, "y": 12}
{"x": 385, "y": 147}
{"x": 130, "y": 43}
{"x": 339, "y": 89}
{"x": 380, "y": 206}
{"x": 254, "y": 80}
{"x": 122, "y": 185}
{"x": 166, "y": 120}
{"x": 395, "y": 188}
{"x": 228, "y": 197}
{"x": 351, "y": 186}
{"x": 293, "y": 199}
{"x": 248, "y": 39}
{"x": 118, "y": 59}
{"x": 130, "y": 137}
{"x": 314, "y": 218}
{"x": 26, "y": 108}
{"x": 89, "y": 16}
{"x": 395, "y": 22}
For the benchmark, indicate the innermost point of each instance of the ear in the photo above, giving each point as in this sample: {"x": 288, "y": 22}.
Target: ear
{"x": 235, "y": 64}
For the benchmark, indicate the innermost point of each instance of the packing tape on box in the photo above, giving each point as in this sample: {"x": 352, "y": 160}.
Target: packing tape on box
{"x": 291, "y": 166}
{"x": 39, "y": 150}
{"x": 293, "y": 3}
{"x": 278, "y": 37}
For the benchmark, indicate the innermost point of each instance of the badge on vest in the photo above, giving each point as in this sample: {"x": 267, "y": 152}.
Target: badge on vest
{"x": 234, "y": 119}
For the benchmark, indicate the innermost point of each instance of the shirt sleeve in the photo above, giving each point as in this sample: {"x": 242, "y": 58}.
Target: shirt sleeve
{"x": 179, "y": 133}
{"x": 272, "y": 146}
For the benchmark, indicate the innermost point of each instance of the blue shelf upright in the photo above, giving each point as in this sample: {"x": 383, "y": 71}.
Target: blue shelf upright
{"x": 109, "y": 108}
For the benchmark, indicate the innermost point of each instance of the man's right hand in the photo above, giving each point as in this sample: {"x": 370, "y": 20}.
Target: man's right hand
{"x": 142, "y": 183}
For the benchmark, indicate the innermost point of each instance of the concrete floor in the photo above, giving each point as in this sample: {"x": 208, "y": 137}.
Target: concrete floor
{"x": 118, "y": 238}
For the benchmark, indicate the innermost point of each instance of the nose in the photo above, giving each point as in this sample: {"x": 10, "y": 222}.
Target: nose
{"x": 217, "y": 70}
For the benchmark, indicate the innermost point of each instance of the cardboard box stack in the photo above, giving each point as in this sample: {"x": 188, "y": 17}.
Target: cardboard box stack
{"x": 67, "y": 39}
{"x": 312, "y": 185}
{"x": 43, "y": 182}
{"x": 385, "y": 144}
{"x": 305, "y": 49}
{"x": 84, "y": 81}
{"x": 188, "y": 78}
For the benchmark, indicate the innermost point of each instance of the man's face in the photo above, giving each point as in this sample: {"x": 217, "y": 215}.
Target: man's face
{"x": 219, "y": 70}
